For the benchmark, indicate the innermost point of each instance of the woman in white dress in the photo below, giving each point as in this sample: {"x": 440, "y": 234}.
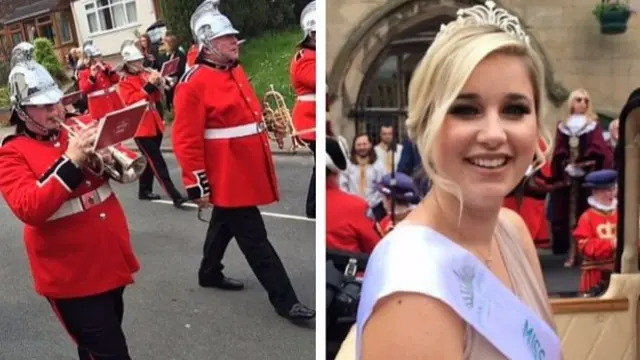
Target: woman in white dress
{"x": 459, "y": 278}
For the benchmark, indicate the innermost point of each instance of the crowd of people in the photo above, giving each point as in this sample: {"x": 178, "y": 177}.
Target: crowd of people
{"x": 76, "y": 231}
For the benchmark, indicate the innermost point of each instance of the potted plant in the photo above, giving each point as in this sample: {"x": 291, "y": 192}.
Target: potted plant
{"x": 613, "y": 16}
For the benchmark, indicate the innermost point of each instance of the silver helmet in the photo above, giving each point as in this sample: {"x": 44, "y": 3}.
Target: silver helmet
{"x": 208, "y": 23}
{"x": 90, "y": 49}
{"x": 130, "y": 52}
{"x": 308, "y": 19}
{"x": 21, "y": 53}
{"x": 31, "y": 84}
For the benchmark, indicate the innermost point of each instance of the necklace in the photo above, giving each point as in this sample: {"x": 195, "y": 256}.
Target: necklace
{"x": 487, "y": 259}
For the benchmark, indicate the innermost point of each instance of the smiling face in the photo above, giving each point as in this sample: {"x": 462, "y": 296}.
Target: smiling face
{"x": 489, "y": 136}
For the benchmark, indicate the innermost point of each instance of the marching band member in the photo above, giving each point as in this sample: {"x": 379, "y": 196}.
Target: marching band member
{"x": 396, "y": 199}
{"x": 224, "y": 152}
{"x": 579, "y": 148}
{"x": 76, "y": 233}
{"x": 136, "y": 85}
{"x": 97, "y": 82}
{"x": 595, "y": 232}
{"x": 303, "y": 79}
{"x": 348, "y": 226}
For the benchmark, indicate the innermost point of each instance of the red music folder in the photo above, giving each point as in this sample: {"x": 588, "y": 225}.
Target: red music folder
{"x": 169, "y": 67}
{"x": 71, "y": 98}
{"x": 120, "y": 125}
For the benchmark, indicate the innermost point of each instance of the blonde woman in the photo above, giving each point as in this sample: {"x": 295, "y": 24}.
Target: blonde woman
{"x": 579, "y": 148}
{"x": 459, "y": 277}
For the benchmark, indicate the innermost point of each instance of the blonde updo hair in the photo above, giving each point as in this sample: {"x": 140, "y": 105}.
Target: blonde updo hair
{"x": 443, "y": 72}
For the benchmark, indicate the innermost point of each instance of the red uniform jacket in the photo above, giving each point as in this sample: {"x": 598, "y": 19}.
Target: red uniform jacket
{"x": 133, "y": 88}
{"x": 219, "y": 138}
{"x": 75, "y": 230}
{"x": 192, "y": 54}
{"x": 384, "y": 226}
{"x": 530, "y": 204}
{"x": 303, "y": 78}
{"x": 348, "y": 227}
{"x": 596, "y": 237}
{"x": 102, "y": 97}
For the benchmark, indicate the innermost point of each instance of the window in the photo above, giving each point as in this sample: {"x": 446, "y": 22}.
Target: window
{"x": 63, "y": 20}
{"x": 45, "y": 29}
{"x": 104, "y": 15}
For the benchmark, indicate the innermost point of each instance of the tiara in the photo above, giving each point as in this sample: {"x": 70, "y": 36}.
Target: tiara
{"x": 486, "y": 14}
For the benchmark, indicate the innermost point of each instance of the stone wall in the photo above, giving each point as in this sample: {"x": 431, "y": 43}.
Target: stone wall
{"x": 566, "y": 30}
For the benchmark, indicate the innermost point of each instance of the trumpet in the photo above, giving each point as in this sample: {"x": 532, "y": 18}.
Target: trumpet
{"x": 125, "y": 168}
{"x": 163, "y": 82}
{"x": 280, "y": 115}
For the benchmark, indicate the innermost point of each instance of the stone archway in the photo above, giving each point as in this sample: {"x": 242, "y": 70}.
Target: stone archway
{"x": 368, "y": 41}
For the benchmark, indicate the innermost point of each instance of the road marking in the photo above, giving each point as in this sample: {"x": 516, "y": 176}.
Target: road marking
{"x": 265, "y": 213}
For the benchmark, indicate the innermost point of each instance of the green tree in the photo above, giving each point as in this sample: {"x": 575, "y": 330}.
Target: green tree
{"x": 44, "y": 54}
{"x": 250, "y": 17}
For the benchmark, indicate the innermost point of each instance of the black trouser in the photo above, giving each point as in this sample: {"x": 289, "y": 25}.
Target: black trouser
{"x": 247, "y": 226}
{"x": 311, "y": 193}
{"x": 95, "y": 324}
{"x": 150, "y": 147}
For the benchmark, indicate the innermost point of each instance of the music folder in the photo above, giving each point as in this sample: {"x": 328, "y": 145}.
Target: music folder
{"x": 169, "y": 67}
{"x": 120, "y": 125}
{"x": 71, "y": 98}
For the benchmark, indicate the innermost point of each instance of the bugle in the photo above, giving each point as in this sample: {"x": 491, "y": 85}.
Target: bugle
{"x": 123, "y": 168}
{"x": 279, "y": 114}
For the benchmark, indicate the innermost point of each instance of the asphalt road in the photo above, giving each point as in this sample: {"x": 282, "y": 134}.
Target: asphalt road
{"x": 167, "y": 316}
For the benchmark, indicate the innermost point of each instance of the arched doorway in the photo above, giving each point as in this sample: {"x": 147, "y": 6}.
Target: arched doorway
{"x": 370, "y": 73}
{"x": 382, "y": 98}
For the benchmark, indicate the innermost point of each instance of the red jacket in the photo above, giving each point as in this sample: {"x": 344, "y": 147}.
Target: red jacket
{"x": 192, "y": 55}
{"x": 596, "y": 236}
{"x": 219, "y": 139}
{"x": 303, "y": 79}
{"x": 74, "y": 248}
{"x": 132, "y": 89}
{"x": 100, "y": 91}
{"x": 348, "y": 228}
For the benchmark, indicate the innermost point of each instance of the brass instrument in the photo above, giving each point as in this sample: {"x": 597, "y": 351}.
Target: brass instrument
{"x": 281, "y": 115}
{"x": 124, "y": 168}
{"x": 163, "y": 83}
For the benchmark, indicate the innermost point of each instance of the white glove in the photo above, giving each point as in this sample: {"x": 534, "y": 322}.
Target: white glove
{"x": 574, "y": 171}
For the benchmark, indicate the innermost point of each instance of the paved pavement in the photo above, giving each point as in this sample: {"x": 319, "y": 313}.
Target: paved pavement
{"x": 167, "y": 316}
{"x": 561, "y": 282}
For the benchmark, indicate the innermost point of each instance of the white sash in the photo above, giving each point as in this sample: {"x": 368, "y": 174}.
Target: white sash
{"x": 418, "y": 259}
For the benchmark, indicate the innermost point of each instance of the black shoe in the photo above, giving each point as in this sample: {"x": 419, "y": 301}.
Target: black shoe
{"x": 223, "y": 283}
{"x": 298, "y": 312}
{"x": 149, "y": 196}
{"x": 179, "y": 202}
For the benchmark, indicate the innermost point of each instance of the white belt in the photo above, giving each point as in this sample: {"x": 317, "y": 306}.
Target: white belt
{"x": 306, "y": 97}
{"x": 102, "y": 92}
{"x": 234, "y": 131}
{"x": 83, "y": 202}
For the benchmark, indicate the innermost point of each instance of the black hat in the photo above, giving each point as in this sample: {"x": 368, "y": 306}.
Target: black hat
{"x": 337, "y": 154}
